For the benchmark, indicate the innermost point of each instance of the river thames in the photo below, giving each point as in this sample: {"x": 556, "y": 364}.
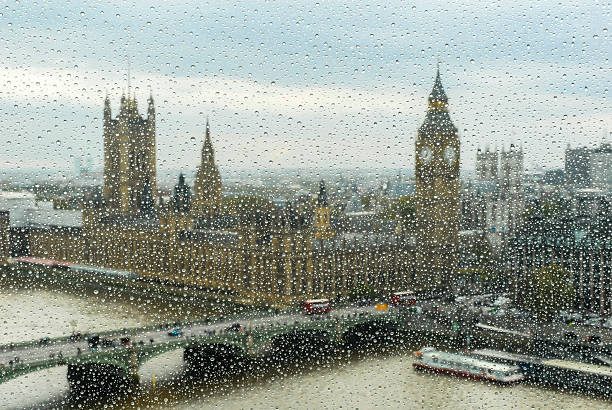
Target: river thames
{"x": 380, "y": 379}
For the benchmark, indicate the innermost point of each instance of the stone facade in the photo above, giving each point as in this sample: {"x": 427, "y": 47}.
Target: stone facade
{"x": 283, "y": 269}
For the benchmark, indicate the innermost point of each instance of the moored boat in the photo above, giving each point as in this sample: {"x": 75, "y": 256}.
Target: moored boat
{"x": 592, "y": 378}
{"x": 464, "y": 365}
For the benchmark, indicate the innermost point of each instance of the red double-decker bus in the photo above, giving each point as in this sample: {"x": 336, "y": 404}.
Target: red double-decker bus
{"x": 403, "y": 298}
{"x": 316, "y": 306}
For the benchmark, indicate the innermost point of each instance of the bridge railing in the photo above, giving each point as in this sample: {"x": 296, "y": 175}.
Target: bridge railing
{"x": 164, "y": 326}
{"x": 141, "y": 329}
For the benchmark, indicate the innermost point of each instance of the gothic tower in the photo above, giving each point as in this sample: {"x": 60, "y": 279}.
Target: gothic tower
{"x": 512, "y": 169}
{"x": 322, "y": 215}
{"x": 130, "y": 185}
{"x": 487, "y": 165}
{"x": 511, "y": 184}
{"x": 207, "y": 187}
{"x": 437, "y": 197}
{"x": 181, "y": 201}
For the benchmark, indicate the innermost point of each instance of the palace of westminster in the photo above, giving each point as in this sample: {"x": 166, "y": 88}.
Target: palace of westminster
{"x": 501, "y": 224}
{"x": 278, "y": 258}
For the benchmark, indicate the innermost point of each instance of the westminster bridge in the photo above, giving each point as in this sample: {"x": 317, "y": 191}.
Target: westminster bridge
{"x": 115, "y": 362}
{"x": 223, "y": 343}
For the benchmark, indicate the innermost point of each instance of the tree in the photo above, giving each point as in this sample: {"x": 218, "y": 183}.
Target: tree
{"x": 367, "y": 202}
{"x": 548, "y": 290}
{"x": 403, "y": 210}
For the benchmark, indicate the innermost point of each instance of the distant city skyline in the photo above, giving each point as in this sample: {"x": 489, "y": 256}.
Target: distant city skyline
{"x": 325, "y": 86}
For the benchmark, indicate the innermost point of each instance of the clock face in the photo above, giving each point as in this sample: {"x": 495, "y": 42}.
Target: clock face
{"x": 426, "y": 154}
{"x": 450, "y": 155}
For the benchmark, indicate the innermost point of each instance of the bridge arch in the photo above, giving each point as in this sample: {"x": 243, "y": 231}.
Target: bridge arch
{"x": 371, "y": 332}
{"x": 148, "y": 352}
{"x": 12, "y": 372}
{"x": 99, "y": 378}
{"x": 76, "y": 365}
{"x": 298, "y": 343}
{"x": 214, "y": 358}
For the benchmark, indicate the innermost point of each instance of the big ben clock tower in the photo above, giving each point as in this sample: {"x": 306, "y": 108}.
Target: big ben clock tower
{"x": 437, "y": 197}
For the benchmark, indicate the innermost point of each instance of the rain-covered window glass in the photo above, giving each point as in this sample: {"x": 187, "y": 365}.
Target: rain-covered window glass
{"x": 305, "y": 204}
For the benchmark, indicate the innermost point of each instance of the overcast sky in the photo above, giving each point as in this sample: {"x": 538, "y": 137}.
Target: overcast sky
{"x": 303, "y": 84}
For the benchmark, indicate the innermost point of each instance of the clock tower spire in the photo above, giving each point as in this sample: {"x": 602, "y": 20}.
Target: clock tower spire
{"x": 437, "y": 197}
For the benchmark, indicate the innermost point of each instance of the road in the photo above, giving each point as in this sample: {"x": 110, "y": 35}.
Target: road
{"x": 435, "y": 314}
{"x": 25, "y": 354}
{"x": 556, "y": 330}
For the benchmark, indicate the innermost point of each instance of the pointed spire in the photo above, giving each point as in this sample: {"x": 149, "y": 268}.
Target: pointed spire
{"x": 322, "y": 199}
{"x": 107, "y": 108}
{"x": 438, "y": 101}
{"x": 182, "y": 195}
{"x": 123, "y": 101}
{"x": 151, "y": 107}
{"x": 207, "y": 184}
{"x": 128, "y": 75}
{"x": 207, "y": 138}
{"x": 437, "y": 93}
{"x": 207, "y": 149}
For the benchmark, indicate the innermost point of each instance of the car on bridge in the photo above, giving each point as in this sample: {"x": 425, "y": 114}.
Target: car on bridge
{"x": 364, "y": 302}
{"x": 176, "y": 332}
{"x": 236, "y": 327}
{"x": 570, "y": 336}
{"x": 108, "y": 343}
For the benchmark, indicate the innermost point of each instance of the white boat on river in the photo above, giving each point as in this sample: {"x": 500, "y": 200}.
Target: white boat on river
{"x": 464, "y": 365}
